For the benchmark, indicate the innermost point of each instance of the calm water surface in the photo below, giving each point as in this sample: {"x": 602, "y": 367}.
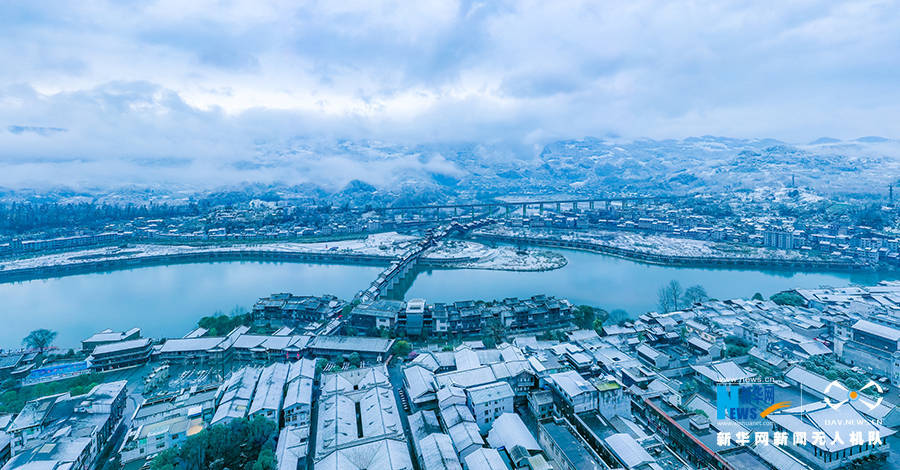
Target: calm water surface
{"x": 614, "y": 283}
{"x": 168, "y": 300}
{"x": 161, "y": 300}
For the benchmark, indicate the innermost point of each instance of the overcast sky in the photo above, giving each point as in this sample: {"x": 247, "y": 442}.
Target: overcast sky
{"x": 90, "y": 87}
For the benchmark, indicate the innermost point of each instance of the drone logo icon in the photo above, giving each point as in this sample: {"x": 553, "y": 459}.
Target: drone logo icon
{"x": 852, "y": 395}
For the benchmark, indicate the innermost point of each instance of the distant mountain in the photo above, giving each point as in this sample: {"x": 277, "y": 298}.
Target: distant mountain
{"x": 367, "y": 172}
{"x": 715, "y": 163}
{"x": 872, "y": 139}
{"x": 824, "y": 140}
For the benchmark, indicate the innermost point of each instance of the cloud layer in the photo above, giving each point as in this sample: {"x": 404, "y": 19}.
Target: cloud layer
{"x": 152, "y": 92}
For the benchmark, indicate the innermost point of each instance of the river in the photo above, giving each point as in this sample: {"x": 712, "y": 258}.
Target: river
{"x": 616, "y": 283}
{"x": 168, "y": 300}
{"x": 161, "y": 300}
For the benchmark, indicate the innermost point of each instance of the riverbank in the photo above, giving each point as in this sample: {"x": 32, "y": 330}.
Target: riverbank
{"x": 798, "y": 263}
{"x": 373, "y": 250}
{"x": 167, "y": 300}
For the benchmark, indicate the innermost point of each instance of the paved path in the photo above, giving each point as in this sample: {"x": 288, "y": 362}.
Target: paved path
{"x": 395, "y": 374}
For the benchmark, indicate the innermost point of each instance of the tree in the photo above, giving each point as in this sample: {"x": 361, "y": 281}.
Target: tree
{"x": 871, "y": 216}
{"x": 757, "y": 296}
{"x": 494, "y": 333}
{"x": 401, "y": 348}
{"x": 585, "y": 315}
{"x": 40, "y": 339}
{"x": 618, "y": 316}
{"x": 355, "y": 360}
{"x": 694, "y": 294}
{"x": 12, "y": 401}
{"x": 346, "y": 309}
{"x": 266, "y": 460}
{"x": 736, "y": 346}
{"x": 788, "y": 298}
{"x": 219, "y": 324}
{"x": 669, "y": 296}
{"x": 240, "y": 444}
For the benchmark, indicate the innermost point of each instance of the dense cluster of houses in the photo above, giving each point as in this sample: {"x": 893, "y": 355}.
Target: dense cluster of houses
{"x": 733, "y": 384}
{"x": 63, "y": 431}
{"x": 291, "y": 310}
{"x": 859, "y": 243}
{"x": 280, "y": 392}
{"x": 241, "y": 224}
{"x": 464, "y": 318}
{"x": 585, "y": 399}
{"x": 610, "y": 396}
{"x": 840, "y": 241}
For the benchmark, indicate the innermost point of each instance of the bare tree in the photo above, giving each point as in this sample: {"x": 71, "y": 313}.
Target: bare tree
{"x": 663, "y": 302}
{"x": 40, "y": 339}
{"x": 694, "y": 294}
{"x": 669, "y": 296}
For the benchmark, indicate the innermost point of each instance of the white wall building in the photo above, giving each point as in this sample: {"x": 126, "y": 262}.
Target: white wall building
{"x": 575, "y": 391}
{"x": 489, "y": 401}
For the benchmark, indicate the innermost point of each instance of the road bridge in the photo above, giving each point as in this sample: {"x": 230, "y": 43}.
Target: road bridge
{"x": 591, "y": 203}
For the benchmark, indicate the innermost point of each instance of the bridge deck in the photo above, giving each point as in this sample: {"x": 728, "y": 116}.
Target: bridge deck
{"x": 536, "y": 202}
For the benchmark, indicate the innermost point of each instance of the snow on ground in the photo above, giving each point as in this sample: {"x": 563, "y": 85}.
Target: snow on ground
{"x": 458, "y": 249}
{"x": 652, "y": 243}
{"x": 384, "y": 244}
{"x": 502, "y": 257}
{"x": 381, "y": 244}
{"x": 507, "y": 258}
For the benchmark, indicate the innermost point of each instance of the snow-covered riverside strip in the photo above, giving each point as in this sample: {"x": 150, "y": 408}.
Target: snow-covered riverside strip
{"x": 657, "y": 244}
{"x": 506, "y": 258}
{"x": 669, "y": 259}
{"x": 382, "y": 247}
